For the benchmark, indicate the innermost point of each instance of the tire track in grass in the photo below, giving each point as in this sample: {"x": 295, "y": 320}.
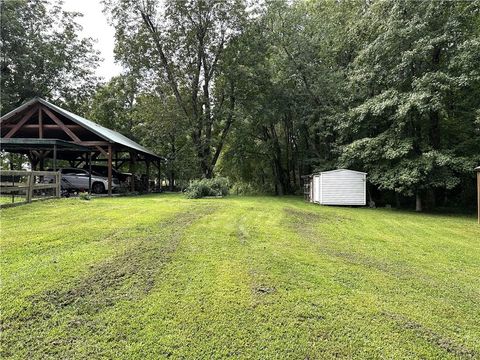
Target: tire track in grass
{"x": 430, "y": 336}
{"x": 128, "y": 276}
{"x": 303, "y": 224}
{"x": 259, "y": 286}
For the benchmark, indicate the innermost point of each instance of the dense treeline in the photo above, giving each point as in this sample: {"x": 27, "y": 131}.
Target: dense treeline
{"x": 266, "y": 93}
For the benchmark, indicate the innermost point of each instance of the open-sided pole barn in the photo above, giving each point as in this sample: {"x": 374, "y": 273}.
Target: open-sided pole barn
{"x": 40, "y": 130}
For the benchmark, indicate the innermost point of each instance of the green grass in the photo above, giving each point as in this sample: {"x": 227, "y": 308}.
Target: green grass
{"x": 7, "y": 199}
{"x": 161, "y": 276}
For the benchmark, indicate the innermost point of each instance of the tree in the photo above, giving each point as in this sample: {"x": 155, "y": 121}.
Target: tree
{"x": 294, "y": 63}
{"x": 43, "y": 55}
{"x": 161, "y": 126}
{"x": 183, "y": 45}
{"x": 113, "y": 103}
{"x": 412, "y": 123}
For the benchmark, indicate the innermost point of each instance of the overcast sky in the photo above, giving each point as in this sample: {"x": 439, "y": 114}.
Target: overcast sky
{"x": 95, "y": 25}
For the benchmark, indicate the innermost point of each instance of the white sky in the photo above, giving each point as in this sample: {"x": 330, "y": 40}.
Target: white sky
{"x": 95, "y": 25}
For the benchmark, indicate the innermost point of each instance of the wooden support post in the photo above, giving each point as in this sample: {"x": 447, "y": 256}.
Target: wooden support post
{"x": 109, "y": 170}
{"x": 132, "y": 171}
{"x": 31, "y": 181}
{"x": 90, "y": 173}
{"x": 58, "y": 178}
{"x": 55, "y": 157}
{"x": 40, "y": 123}
{"x": 147, "y": 164}
{"x": 159, "y": 176}
{"x": 33, "y": 160}
{"x": 42, "y": 160}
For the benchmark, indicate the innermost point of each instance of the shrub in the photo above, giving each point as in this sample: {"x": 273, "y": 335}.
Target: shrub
{"x": 85, "y": 196}
{"x": 250, "y": 188}
{"x": 207, "y": 187}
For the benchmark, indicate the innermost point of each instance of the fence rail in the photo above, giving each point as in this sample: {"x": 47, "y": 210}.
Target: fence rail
{"x": 26, "y": 183}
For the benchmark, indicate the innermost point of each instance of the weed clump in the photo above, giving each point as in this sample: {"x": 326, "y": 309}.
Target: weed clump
{"x": 84, "y": 196}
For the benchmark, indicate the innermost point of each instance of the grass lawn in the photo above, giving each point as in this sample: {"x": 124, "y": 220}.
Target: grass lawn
{"x": 7, "y": 199}
{"x": 255, "y": 277}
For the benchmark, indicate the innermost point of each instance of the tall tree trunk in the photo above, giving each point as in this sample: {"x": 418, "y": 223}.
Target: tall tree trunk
{"x": 280, "y": 177}
{"x": 277, "y": 161}
{"x": 418, "y": 202}
{"x": 171, "y": 181}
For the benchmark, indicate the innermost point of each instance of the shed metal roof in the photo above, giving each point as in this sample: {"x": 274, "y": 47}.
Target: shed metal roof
{"x": 103, "y": 132}
{"x": 337, "y": 170}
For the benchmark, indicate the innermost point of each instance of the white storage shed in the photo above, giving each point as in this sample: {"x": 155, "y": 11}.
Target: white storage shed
{"x": 339, "y": 187}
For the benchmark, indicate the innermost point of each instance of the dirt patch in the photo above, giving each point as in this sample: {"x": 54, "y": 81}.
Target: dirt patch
{"x": 264, "y": 290}
{"x": 307, "y": 217}
{"x": 393, "y": 269}
{"x": 129, "y": 275}
{"x": 302, "y": 216}
{"x": 432, "y": 337}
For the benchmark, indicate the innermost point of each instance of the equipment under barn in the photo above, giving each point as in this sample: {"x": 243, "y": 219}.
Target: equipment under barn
{"x": 336, "y": 187}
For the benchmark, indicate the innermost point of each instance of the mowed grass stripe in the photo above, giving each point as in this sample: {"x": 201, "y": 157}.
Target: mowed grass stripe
{"x": 139, "y": 250}
{"x": 391, "y": 286}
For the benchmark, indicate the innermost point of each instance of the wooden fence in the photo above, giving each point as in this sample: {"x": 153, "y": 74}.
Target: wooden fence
{"x": 27, "y": 183}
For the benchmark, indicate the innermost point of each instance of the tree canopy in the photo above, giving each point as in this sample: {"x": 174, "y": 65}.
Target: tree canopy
{"x": 265, "y": 92}
{"x": 42, "y": 54}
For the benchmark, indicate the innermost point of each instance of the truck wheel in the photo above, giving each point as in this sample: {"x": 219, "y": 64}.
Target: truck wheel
{"x": 98, "y": 188}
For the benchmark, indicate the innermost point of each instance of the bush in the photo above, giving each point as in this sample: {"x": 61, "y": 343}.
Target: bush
{"x": 207, "y": 187}
{"x": 246, "y": 188}
{"x": 85, "y": 196}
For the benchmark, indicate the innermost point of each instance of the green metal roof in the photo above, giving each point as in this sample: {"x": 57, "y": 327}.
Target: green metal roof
{"x": 103, "y": 132}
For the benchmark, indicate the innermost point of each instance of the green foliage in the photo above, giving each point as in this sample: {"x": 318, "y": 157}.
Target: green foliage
{"x": 43, "y": 55}
{"x": 84, "y": 196}
{"x": 112, "y": 105}
{"x": 411, "y": 125}
{"x": 266, "y": 93}
{"x": 248, "y": 188}
{"x": 180, "y": 47}
{"x": 390, "y": 88}
{"x": 218, "y": 186}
